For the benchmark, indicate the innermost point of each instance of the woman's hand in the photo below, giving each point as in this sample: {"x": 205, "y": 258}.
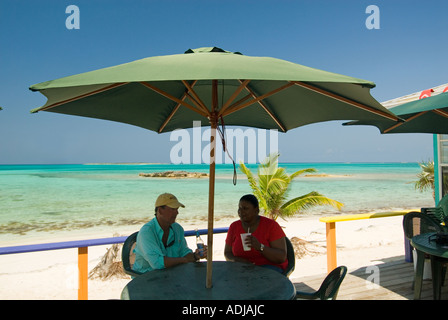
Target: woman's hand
{"x": 253, "y": 242}
{"x": 275, "y": 252}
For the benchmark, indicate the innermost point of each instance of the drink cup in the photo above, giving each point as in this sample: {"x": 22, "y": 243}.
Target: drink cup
{"x": 243, "y": 240}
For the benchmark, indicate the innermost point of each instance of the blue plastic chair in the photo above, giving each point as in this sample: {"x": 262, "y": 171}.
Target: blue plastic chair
{"x": 128, "y": 256}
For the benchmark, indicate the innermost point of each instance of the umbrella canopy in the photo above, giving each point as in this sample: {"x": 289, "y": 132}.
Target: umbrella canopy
{"x": 212, "y": 85}
{"x": 427, "y": 115}
{"x": 260, "y": 92}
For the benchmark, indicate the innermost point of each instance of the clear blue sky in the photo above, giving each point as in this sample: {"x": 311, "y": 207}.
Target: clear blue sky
{"x": 407, "y": 54}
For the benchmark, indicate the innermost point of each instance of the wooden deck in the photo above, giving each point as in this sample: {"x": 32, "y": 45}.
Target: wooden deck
{"x": 395, "y": 283}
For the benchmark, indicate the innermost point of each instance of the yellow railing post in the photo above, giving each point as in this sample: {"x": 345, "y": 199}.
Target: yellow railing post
{"x": 330, "y": 223}
{"x": 83, "y": 273}
{"x": 331, "y": 246}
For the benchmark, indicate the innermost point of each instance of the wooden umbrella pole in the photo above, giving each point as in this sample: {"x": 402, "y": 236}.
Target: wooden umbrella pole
{"x": 211, "y": 205}
{"x": 211, "y": 186}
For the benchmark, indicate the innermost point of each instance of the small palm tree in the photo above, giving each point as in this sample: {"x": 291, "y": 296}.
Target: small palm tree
{"x": 426, "y": 177}
{"x": 271, "y": 190}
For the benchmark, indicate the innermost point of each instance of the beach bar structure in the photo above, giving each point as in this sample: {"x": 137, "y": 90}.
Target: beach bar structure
{"x": 440, "y": 144}
{"x": 440, "y": 141}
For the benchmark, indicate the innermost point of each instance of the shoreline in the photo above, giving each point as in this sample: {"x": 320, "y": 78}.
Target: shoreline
{"x": 108, "y": 231}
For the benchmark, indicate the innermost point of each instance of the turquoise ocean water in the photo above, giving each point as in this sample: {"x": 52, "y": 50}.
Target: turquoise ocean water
{"x": 47, "y": 200}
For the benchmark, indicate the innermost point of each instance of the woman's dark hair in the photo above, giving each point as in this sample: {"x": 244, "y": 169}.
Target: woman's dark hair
{"x": 250, "y": 198}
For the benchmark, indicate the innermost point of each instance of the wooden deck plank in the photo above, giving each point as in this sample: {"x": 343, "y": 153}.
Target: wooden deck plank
{"x": 395, "y": 283}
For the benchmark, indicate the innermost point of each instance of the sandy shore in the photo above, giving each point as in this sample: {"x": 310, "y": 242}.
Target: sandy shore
{"x": 53, "y": 274}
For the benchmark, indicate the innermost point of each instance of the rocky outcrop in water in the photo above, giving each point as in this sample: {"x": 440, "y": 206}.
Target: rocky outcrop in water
{"x": 174, "y": 174}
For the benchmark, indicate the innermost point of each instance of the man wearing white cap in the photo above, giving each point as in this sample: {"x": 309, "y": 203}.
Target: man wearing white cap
{"x": 161, "y": 242}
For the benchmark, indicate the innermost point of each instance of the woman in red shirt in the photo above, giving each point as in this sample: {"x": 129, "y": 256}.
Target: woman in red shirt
{"x": 267, "y": 239}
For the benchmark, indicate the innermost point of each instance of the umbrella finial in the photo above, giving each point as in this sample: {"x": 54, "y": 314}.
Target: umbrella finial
{"x": 208, "y": 50}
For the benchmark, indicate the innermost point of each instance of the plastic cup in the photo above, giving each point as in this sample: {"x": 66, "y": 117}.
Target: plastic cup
{"x": 243, "y": 240}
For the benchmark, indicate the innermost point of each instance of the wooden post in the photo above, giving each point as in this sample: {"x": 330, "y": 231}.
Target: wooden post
{"x": 211, "y": 204}
{"x": 83, "y": 273}
{"x": 211, "y": 192}
{"x": 331, "y": 246}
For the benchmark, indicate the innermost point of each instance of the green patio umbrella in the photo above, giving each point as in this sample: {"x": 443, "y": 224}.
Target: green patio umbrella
{"x": 211, "y": 85}
{"x": 427, "y": 115}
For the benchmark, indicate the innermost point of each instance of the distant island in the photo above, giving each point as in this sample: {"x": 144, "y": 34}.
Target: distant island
{"x": 324, "y": 175}
{"x": 121, "y": 163}
{"x": 174, "y": 174}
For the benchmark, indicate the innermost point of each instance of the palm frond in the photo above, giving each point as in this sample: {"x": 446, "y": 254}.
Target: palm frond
{"x": 250, "y": 177}
{"x": 308, "y": 201}
{"x": 278, "y": 182}
{"x": 271, "y": 189}
{"x": 301, "y": 172}
{"x": 425, "y": 177}
{"x": 254, "y": 185}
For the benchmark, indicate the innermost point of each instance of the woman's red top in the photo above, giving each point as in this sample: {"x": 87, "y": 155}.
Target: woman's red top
{"x": 267, "y": 231}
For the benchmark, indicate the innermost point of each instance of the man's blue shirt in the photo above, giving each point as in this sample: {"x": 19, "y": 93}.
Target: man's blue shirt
{"x": 150, "y": 250}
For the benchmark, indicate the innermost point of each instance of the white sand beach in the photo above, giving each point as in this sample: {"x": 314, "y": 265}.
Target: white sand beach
{"x": 53, "y": 274}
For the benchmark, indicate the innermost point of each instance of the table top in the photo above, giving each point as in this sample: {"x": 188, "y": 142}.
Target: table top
{"x": 231, "y": 281}
{"x": 426, "y": 242}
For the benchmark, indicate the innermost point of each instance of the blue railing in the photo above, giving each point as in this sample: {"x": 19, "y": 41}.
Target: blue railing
{"x": 85, "y": 243}
{"x": 82, "y": 246}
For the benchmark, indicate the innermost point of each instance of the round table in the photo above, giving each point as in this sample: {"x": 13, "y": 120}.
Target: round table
{"x": 231, "y": 281}
{"x": 425, "y": 243}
